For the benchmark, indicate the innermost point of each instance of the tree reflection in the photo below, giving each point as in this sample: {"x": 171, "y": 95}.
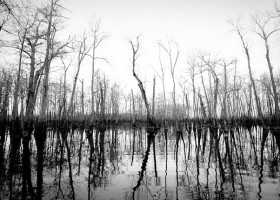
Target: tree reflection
{"x": 65, "y": 142}
{"x": 40, "y": 138}
{"x": 194, "y": 160}
{"x": 14, "y": 160}
{"x": 27, "y": 188}
{"x": 264, "y": 137}
{"x": 150, "y": 140}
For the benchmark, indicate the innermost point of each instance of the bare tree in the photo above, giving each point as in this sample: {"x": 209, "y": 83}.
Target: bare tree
{"x": 162, "y": 78}
{"x": 265, "y": 27}
{"x": 22, "y": 31}
{"x": 211, "y": 64}
{"x": 83, "y": 50}
{"x": 33, "y": 42}
{"x": 225, "y": 64}
{"x": 65, "y": 69}
{"x": 153, "y": 100}
{"x": 237, "y": 27}
{"x": 135, "y": 54}
{"x": 192, "y": 71}
{"x": 98, "y": 38}
{"x": 18, "y": 28}
{"x": 53, "y": 49}
{"x": 173, "y": 58}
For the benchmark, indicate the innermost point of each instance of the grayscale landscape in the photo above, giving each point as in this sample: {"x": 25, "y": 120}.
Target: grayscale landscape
{"x": 140, "y": 100}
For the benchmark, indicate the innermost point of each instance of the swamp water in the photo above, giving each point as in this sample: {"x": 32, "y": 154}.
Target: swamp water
{"x": 124, "y": 163}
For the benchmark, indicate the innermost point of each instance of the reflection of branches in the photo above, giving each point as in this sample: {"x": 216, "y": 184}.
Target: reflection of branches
{"x": 70, "y": 169}
{"x": 253, "y": 144}
{"x": 91, "y": 146}
{"x": 80, "y": 151}
{"x": 228, "y": 134}
{"x": 237, "y": 157}
{"x": 65, "y": 142}
{"x": 151, "y": 138}
{"x": 265, "y": 134}
{"x": 133, "y": 146}
{"x": 60, "y": 191}
{"x": 26, "y": 179}
{"x": 15, "y": 141}
{"x": 40, "y": 138}
{"x": 218, "y": 155}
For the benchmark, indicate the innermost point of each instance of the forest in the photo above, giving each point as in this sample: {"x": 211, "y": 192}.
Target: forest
{"x": 212, "y": 89}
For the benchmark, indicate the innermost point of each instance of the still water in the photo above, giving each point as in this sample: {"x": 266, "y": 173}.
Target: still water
{"x": 127, "y": 163}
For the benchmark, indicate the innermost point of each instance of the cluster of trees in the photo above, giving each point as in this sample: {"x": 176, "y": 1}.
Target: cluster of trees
{"x": 211, "y": 87}
{"x": 27, "y": 91}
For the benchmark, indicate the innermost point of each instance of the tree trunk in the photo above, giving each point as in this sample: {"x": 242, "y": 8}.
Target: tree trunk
{"x": 275, "y": 95}
{"x": 92, "y": 83}
{"x": 225, "y": 93}
{"x": 82, "y": 100}
{"x": 17, "y": 84}
{"x": 71, "y": 103}
{"x": 202, "y": 106}
{"x": 257, "y": 100}
{"x": 133, "y": 107}
{"x": 153, "y": 104}
{"x": 216, "y": 96}
{"x": 46, "y": 65}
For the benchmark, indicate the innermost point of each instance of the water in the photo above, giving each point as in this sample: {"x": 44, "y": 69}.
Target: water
{"x": 125, "y": 163}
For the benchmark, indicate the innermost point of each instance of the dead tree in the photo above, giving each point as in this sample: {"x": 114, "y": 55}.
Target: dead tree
{"x": 262, "y": 28}
{"x": 202, "y": 106}
{"x": 135, "y": 54}
{"x": 224, "y": 107}
{"x": 34, "y": 74}
{"x": 64, "y": 100}
{"x": 192, "y": 72}
{"x": 17, "y": 83}
{"x": 172, "y": 64}
{"x": 47, "y": 62}
{"x": 133, "y": 107}
{"x": 98, "y": 38}
{"x": 83, "y": 50}
{"x": 52, "y": 51}
{"x": 153, "y": 101}
{"x": 211, "y": 64}
{"x": 245, "y": 46}
{"x": 162, "y": 78}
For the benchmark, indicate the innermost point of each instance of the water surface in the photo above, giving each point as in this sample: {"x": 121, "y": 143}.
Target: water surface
{"x": 128, "y": 163}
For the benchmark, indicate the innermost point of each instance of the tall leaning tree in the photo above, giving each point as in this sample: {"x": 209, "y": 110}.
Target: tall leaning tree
{"x": 135, "y": 46}
{"x": 240, "y": 31}
{"x": 265, "y": 26}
